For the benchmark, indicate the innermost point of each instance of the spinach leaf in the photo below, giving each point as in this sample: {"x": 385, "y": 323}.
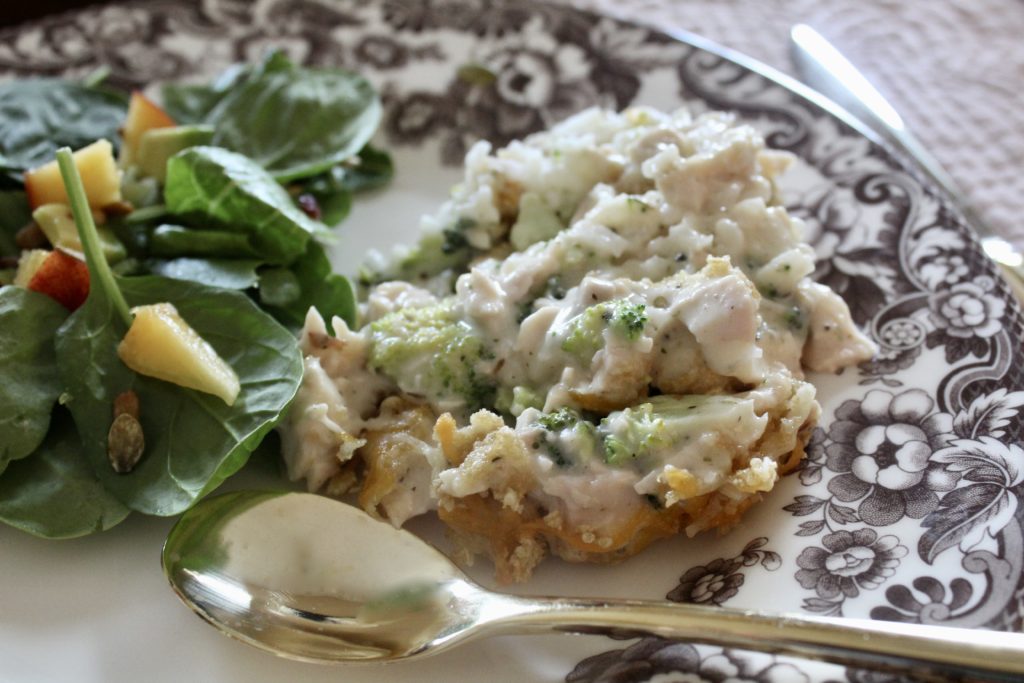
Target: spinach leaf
{"x": 328, "y": 292}
{"x": 193, "y": 440}
{"x": 224, "y": 273}
{"x": 29, "y": 380}
{"x": 279, "y": 287}
{"x": 296, "y": 122}
{"x": 192, "y": 103}
{"x": 177, "y": 240}
{"x": 39, "y": 115}
{"x": 373, "y": 169}
{"x": 333, "y": 199}
{"x": 227, "y": 190}
{"x": 15, "y": 214}
{"x": 334, "y": 207}
{"x": 333, "y": 189}
{"x": 53, "y": 493}
{"x": 188, "y": 104}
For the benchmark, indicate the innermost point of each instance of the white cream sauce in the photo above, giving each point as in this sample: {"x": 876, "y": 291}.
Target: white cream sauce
{"x": 667, "y": 211}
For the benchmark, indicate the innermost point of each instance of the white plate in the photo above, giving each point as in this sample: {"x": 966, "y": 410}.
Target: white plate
{"x": 942, "y": 544}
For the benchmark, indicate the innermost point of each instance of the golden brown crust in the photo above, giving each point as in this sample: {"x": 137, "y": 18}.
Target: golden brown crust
{"x": 385, "y": 453}
{"x": 345, "y": 480}
{"x": 518, "y": 538}
{"x": 456, "y": 443}
{"x": 487, "y": 505}
{"x": 625, "y": 383}
{"x": 606, "y": 403}
{"x": 518, "y": 541}
{"x": 683, "y": 369}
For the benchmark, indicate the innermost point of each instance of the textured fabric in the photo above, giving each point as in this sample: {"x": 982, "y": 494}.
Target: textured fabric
{"x": 953, "y": 68}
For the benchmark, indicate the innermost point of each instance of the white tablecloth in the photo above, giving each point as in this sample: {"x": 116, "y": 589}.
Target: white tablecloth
{"x": 953, "y": 68}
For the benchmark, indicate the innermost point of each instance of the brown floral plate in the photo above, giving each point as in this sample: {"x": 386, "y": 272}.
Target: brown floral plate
{"x": 907, "y": 508}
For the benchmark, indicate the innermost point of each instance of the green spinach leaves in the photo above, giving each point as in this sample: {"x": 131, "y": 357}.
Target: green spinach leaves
{"x": 333, "y": 189}
{"x": 193, "y": 440}
{"x": 294, "y": 121}
{"x": 318, "y": 287}
{"x": 236, "y": 247}
{"x": 58, "y": 480}
{"x": 246, "y": 214}
{"x": 37, "y": 116}
{"x": 14, "y": 215}
{"x": 283, "y": 134}
{"x": 54, "y": 493}
{"x": 29, "y": 381}
{"x": 217, "y": 188}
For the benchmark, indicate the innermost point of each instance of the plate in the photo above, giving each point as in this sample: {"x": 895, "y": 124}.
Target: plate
{"x": 930, "y": 533}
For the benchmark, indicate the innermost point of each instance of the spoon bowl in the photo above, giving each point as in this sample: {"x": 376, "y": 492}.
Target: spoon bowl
{"x": 315, "y": 579}
{"x": 294, "y": 575}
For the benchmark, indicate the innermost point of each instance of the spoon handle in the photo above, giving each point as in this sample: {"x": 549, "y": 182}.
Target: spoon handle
{"x": 929, "y": 653}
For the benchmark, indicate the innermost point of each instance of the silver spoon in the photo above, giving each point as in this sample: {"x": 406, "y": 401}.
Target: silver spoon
{"x": 314, "y": 579}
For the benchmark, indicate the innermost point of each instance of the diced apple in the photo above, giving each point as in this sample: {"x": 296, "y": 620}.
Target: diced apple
{"x": 100, "y": 176}
{"x": 143, "y": 115}
{"x": 62, "y": 277}
{"x": 58, "y": 224}
{"x": 160, "y": 344}
{"x": 28, "y": 264}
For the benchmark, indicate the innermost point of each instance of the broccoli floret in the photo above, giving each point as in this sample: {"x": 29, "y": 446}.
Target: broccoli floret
{"x": 435, "y": 253}
{"x": 431, "y": 352}
{"x": 664, "y": 422}
{"x": 568, "y": 436}
{"x": 586, "y": 332}
{"x": 515, "y": 400}
{"x": 536, "y": 222}
{"x": 559, "y": 420}
{"x": 632, "y": 434}
{"x": 629, "y": 319}
{"x": 503, "y": 399}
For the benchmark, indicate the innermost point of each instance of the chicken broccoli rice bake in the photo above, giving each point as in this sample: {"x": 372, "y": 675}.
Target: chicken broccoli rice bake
{"x": 599, "y": 341}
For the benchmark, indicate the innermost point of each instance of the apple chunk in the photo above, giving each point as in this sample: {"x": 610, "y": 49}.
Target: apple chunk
{"x": 99, "y": 171}
{"x": 28, "y": 264}
{"x": 62, "y": 277}
{"x": 160, "y": 344}
{"x": 143, "y": 115}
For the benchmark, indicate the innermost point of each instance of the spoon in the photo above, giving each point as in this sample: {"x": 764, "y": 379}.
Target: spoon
{"x": 314, "y": 579}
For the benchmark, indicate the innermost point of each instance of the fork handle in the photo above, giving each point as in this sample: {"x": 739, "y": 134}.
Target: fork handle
{"x": 928, "y": 653}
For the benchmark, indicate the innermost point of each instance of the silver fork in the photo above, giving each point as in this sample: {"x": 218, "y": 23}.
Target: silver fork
{"x": 823, "y": 67}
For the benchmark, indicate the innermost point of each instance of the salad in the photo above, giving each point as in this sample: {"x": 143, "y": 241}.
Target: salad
{"x": 152, "y": 281}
